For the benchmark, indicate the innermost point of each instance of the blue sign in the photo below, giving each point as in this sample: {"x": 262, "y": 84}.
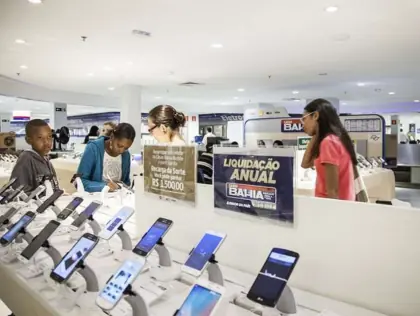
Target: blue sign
{"x": 255, "y": 185}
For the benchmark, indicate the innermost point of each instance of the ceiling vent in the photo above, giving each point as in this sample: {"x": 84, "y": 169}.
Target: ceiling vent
{"x": 141, "y": 33}
{"x": 190, "y": 84}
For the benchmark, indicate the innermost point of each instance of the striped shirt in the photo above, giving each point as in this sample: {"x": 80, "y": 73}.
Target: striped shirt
{"x": 205, "y": 165}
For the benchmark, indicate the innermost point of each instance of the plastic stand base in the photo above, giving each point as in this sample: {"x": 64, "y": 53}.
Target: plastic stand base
{"x": 164, "y": 274}
{"x": 123, "y": 255}
{"x": 102, "y": 250}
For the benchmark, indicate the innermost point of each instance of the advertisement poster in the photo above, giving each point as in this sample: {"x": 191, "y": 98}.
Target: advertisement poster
{"x": 291, "y": 126}
{"x": 170, "y": 172}
{"x": 255, "y": 185}
{"x": 303, "y": 142}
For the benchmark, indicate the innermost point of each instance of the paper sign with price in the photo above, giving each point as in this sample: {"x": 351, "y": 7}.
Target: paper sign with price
{"x": 170, "y": 172}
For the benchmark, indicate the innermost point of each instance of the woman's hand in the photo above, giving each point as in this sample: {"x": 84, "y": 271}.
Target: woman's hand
{"x": 112, "y": 186}
{"x": 307, "y": 160}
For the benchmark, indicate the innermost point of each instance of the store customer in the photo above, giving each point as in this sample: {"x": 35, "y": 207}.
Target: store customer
{"x": 108, "y": 128}
{"x": 93, "y": 133}
{"x": 33, "y": 165}
{"x": 208, "y": 134}
{"x": 330, "y": 150}
{"x": 107, "y": 160}
{"x": 205, "y": 165}
{"x": 165, "y": 123}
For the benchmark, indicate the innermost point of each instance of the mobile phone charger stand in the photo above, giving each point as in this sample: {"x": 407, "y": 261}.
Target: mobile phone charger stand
{"x": 126, "y": 245}
{"x": 165, "y": 271}
{"x": 138, "y": 304}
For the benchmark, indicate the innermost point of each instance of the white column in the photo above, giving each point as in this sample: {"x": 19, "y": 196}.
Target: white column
{"x": 131, "y": 112}
{"x": 5, "y": 122}
{"x": 334, "y": 102}
{"x": 58, "y": 117}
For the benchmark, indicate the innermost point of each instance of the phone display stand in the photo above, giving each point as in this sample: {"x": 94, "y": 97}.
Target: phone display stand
{"x": 136, "y": 301}
{"x": 104, "y": 195}
{"x": 126, "y": 245}
{"x": 286, "y": 305}
{"x": 17, "y": 247}
{"x": 96, "y": 229}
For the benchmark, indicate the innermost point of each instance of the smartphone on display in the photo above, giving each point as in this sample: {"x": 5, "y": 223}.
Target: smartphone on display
{"x": 12, "y": 195}
{"x": 49, "y": 201}
{"x": 69, "y": 209}
{"x": 114, "y": 289}
{"x": 201, "y": 254}
{"x": 5, "y": 187}
{"x": 8, "y": 215}
{"x": 273, "y": 277}
{"x": 34, "y": 193}
{"x": 202, "y": 300}
{"x": 119, "y": 219}
{"x": 12, "y": 233}
{"x": 88, "y": 212}
{"x": 66, "y": 267}
{"x": 148, "y": 242}
{"x": 39, "y": 240}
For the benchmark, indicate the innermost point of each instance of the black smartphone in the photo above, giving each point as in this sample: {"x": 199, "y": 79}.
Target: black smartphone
{"x": 12, "y": 195}
{"x": 39, "y": 240}
{"x": 5, "y": 187}
{"x": 49, "y": 201}
{"x": 148, "y": 242}
{"x": 69, "y": 209}
{"x": 273, "y": 277}
{"x": 12, "y": 233}
{"x": 8, "y": 215}
{"x": 68, "y": 264}
{"x": 34, "y": 193}
{"x": 88, "y": 212}
{"x": 75, "y": 176}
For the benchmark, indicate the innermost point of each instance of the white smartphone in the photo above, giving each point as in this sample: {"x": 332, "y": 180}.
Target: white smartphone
{"x": 114, "y": 289}
{"x": 201, "y": 254}
{"x": 114, "y": 223}
{"x": 203, "y": 299}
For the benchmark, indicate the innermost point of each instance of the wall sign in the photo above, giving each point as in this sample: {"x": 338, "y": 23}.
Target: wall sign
{"x": 291, "y": 126}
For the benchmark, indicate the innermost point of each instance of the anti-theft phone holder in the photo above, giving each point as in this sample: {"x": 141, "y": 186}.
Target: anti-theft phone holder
{"x": 16, "y": 247}
{"x": 136, "y": 301}
{"x": 163, "y": 253}
{"x": 126, "y": 244}
{"x": 286, "y": 305}
{"x": 96, "y": 228}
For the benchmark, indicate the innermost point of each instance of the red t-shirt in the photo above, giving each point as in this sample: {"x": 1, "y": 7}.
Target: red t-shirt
{"x": 333, "y": 152}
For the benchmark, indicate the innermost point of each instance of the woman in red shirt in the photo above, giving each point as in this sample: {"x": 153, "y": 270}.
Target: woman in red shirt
{"x": 330, "y": 150}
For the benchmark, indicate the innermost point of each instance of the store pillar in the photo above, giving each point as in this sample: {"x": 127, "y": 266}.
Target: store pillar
{"x": 58, "y": 115}
{"x": 131, "y": 112}
{"x": 5, "y": 122}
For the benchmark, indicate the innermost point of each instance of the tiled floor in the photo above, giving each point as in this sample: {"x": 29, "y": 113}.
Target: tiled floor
{"x": 409, "y": 195}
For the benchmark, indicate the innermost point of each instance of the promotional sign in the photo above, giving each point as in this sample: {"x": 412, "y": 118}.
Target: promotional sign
{"x": 255, "y": 185}
{"x": 303, "y": 142}
{"x": 291, "y": 126}
{"x": 207, "y": 118}
{"x": 170, "y": 171}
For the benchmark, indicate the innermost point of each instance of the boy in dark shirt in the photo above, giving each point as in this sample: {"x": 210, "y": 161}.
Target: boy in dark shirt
{"x": 33, "y": 166}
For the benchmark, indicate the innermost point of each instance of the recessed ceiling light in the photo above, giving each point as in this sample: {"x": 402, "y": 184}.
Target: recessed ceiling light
{"x": 241, "y": 90}
{"x": 23, "y": 67}
{"x": 344, "y": 103}
{"x": 331, "y": 9}
{"x": 35, "y": 1}
{"x": 90, "y": 74}
{"x": 130, "y": 63}
{"x": 391, "y": 93}
{"x": 20, "y": 41}
{"x": 295, "y": 92}
{"x": 296, "y": 100}
{"x": 217, "y": 45}
{"x": 235, "y": 98}
{"x": 111, "y": 88}
{"x": 417, "y": 101}
{"x": 158, "y": 97}
{"x": 107, "y": 68}
{"x": 361, "y": 84}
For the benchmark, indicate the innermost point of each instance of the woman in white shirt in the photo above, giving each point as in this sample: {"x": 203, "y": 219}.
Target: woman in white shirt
{"x": 164, "y": 124}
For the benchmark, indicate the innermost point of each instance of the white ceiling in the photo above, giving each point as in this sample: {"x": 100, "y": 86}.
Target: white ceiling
{"x": 270, "y": 48}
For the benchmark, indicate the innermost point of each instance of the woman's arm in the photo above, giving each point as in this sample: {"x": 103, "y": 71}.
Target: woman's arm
{"x": 86, "y": 166}
{"x": 331, "y": 180}
{"x": 308, "y": 161}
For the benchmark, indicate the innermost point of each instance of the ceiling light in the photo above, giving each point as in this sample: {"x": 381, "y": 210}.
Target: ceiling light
{"x": 417, "y": 101}
{"x": 23, "y": 67}
{"x": 111, "y": 88}
{"x": 90, "y": 74}
{"x": 107, "y": 68}
{"x": 20, "y": 41}
{"x": 158, "y": 97}
{"x": 296, "y": 100}
{"x": 295, "y": 92}
{"x": 235, "y": 98}
{"x": 391, "y": 93}
{"x": 35, "y": 1}
{"x": 344, "y": 103}
{"x": 241, "y": 90}
{"x": 130, "y": 63}
{"x": 331, "y": 9}
{"x": 361, "y": 84}
{"x": 217, "y": 45}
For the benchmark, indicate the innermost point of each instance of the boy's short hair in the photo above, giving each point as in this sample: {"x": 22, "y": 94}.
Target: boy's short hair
{"x": 32, "y": 125}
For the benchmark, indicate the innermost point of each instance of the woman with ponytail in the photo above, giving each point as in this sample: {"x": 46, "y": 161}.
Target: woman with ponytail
{"x": 165, "y": 123}
{"x": 107, "y": 160}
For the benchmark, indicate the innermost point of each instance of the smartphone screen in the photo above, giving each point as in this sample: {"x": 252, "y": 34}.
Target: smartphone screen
{"x": 68, "y": 264}
{"x": 24, "y": 221}
{"x": 69, "y": 209}
{"x": 7, "y": 186}
{"x": 114, "y": 288}
{"x": 37, "y": 242}
{"x": 149, "y": 241}
{"x": 8, "y": 215}
{"x": 200, "y": 302}
{"x": 12, "y": 195}
{"x": 89, "y": 211}
{"x": 272, "y": 278}
{"x": 34, "y": 193}
{"x": 49, "y": 201}
{"x": 201, "y": 254}
{"x": 119, "y": 219}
